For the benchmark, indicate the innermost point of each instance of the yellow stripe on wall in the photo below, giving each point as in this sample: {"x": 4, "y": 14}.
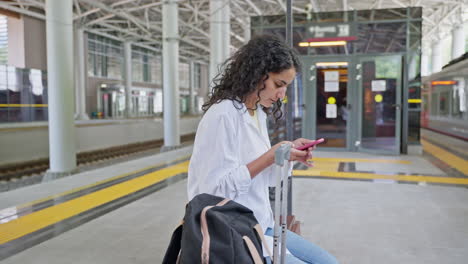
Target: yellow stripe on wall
{"x": 447, "y": 157}
{"x": 30, "y": 223}
{"x": 23, "y": 105}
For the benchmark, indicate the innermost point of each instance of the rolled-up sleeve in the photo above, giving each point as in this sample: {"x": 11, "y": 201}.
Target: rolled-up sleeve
{"x": 215, "y": 166}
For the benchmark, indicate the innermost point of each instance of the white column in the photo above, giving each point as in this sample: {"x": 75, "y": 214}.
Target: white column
{"x": 458, "y": 41}
{"x": 59, "y": 32}
{"x": 425, "y": 64}
{"x": 436, "y": 56}
{"x": 171, "y": 74}
{"x": 80, "y": 89}
{"x": 247, "y": 33}
{"x": 192, "y": 88}
{"x": 226, "y": 23}
{"x": 128, "y": 78}
{"x": 219, "y": 35}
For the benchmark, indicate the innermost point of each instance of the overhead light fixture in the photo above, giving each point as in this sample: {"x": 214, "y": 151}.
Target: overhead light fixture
{"x": 443, "y": 82}
{"x": 322, "y": 43}
{"x": 327, "y": 43}
{"x": 338, "y": 63}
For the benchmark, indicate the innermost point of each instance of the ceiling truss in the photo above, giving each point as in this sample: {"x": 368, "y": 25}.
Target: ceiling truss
{"x": 139, "y": 21}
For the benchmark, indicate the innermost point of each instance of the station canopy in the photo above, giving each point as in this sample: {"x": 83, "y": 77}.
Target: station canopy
{"x": 141, "y": 20}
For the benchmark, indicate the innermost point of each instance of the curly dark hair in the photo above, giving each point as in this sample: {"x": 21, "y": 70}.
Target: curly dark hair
{"x": 249, "y": 66}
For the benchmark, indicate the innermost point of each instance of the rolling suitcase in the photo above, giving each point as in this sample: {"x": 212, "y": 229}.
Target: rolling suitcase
{"x": 281, "y": 196}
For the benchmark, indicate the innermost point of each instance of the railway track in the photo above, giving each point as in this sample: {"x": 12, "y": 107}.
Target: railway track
{"x": 22, "y": 171}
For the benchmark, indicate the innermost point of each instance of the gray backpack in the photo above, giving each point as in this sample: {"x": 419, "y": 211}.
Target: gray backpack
{"x": 216, "y": 230}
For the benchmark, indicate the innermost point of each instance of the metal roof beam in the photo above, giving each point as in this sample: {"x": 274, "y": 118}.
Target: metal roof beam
{"x": 441, "y": 20}
{"x": 144, "y": 6}
{"x": 13, "y": 8}
{"x": 282, "y": 5}
{"x": 233, "y": 34}
{"x": 121, "y": 3}
{"x": 87, "y": 13}
{"x": 139, "y": 22}
{"x": 254, "y": 7}
{"x": 399, "y": 3}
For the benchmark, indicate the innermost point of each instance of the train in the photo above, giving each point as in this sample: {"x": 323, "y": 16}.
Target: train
{"x": 444, "y": 97}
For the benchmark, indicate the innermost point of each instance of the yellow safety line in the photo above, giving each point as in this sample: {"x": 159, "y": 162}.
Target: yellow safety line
{"x": 23, "y": 105}
{"x": 30, "y": 223}
{"x": 91, "y": 185}
{"x": 362, "y": 160}
{"x": 447, "y": 157}
{"x": 371, "y": 176}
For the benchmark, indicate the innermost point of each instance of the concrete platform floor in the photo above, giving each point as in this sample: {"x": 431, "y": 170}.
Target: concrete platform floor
{"x": 358, "y": 222}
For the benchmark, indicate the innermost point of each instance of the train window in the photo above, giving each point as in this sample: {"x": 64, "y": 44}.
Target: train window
{"x": 444, "y": 98}
{"x": 434, "y": 108}
{"x": 455, "y": 111}
{"x": 425, "y": 102}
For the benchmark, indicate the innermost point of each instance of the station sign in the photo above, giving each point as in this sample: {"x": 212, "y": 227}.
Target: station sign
{"x": 329, "y": 34}
{"x": 330, "y": 30}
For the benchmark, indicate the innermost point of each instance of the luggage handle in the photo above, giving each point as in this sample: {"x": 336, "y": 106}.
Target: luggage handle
{"x": 282, "y": 155}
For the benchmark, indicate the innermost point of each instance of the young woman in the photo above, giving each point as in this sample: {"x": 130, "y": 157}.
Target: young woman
{"x": 232, "y": 154}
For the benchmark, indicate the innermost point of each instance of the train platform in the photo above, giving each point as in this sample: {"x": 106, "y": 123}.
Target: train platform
{"x": 363, "y": 208}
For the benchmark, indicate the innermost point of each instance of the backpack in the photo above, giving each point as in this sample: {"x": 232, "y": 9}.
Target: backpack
{"x": 216, "y": 230}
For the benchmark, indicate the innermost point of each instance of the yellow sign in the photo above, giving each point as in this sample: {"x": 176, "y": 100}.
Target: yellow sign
{"x": 378, "y": 98}
{"x": 331, "y": 100}
{"x": 414, "y": 101}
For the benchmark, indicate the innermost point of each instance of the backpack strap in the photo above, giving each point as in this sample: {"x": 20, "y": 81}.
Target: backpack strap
{"x": 262, "y": 237}
{"x": 172, "y": 252}
{"x": 253, "y": 250}
{"x": 205, "y": 249}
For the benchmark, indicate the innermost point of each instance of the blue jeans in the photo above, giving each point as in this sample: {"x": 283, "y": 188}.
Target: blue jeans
{"x": 303, "y": 251}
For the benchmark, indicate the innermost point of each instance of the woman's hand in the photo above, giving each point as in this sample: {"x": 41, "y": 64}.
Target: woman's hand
{"x": 301, "y": 142}
{"x": 298, "y": 155}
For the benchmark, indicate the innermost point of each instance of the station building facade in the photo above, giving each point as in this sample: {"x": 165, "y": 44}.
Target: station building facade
{"x": 360, "y": 81}
{"x": 23, "y": 77}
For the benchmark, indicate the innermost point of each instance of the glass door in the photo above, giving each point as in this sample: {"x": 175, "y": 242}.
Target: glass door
{"x": 332, "y": 111}
{"x": 326, "y": 102}
{"x": 379, "y": 83}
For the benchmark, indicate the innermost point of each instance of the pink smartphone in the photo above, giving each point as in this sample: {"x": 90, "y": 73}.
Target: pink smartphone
{"x": 311, "y": 144}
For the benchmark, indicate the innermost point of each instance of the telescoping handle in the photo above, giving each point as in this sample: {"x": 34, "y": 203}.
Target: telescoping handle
{"x": 282, "y": 155}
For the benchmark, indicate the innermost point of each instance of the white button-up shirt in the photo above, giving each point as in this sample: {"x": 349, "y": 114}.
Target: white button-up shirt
{"x": 227, "y": 140}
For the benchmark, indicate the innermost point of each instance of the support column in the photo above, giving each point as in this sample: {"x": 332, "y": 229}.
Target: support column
{"x": 247, "y": 33}
{"x": 425, "y": 71}
{"x": 192, "y": 88}
{"x": 458, "y": 41}
{"x": 81, "y": 74}
{"x": 128, "y": 78}
{"x": 219, "y": 35}
{"x": 226, "y": 23}
{"x": 59, "y": 32}
{"x": 436, "y": 56}
{"x": 171, "y": 75}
